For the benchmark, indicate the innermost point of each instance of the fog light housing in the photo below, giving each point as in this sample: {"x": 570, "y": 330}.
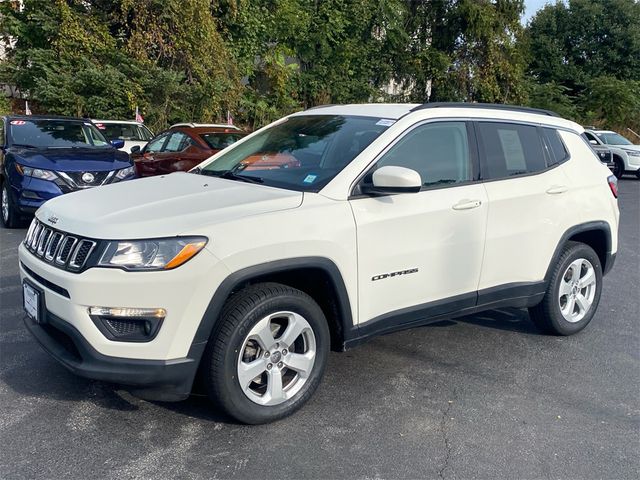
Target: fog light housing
{"x": 124, "y": 324}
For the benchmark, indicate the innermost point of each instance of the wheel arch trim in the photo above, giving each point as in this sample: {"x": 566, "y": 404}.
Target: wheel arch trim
{"x": 240, "y": 277}
{"x": 594, "y": 226}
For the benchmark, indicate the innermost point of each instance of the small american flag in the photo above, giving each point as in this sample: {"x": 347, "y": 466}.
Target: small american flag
{"x": 139, "y": 118}
{"x": 27, "y": 110}
{"x": 229, "y": 118}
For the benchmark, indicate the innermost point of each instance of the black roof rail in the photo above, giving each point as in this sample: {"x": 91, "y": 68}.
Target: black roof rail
{"x": 490, "y": 106}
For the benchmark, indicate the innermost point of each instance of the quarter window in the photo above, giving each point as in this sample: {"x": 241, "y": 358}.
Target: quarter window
{"x": 439, "y": 152}
{"x": 510, "y": 150}
{"x": 556, "y": 149}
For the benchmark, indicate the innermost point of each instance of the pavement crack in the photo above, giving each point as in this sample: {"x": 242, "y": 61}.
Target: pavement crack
{"x": 445, "y": 437}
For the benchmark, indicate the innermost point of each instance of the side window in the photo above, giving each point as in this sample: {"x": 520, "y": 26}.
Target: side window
{"x": 510, "y": 149}
{"x": 156, "y": 145}
{"x": 176, "y": 142}
{"x": 591, "y": 138}
{"x": 557, "y": 152}
{"x": 1, "y": 132}
{"x": 439, "y": 152}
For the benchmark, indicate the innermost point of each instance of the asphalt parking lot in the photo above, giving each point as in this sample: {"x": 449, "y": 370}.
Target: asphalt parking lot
{"x": 485, "y": 396}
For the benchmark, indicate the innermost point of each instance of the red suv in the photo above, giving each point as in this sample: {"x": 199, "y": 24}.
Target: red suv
{"x": 182, "y": 147}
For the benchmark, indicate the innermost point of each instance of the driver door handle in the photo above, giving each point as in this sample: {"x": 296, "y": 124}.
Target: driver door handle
{"x": 467, "y": 204}
{"x": 556, "y": 189}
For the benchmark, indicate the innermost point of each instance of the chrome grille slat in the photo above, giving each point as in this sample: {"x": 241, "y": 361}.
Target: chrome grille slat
{"x": 52, "y": 248}
{"x": 65, "y": 251}
{"x": 43, "y": 241}
{"x": 82, "y": 250}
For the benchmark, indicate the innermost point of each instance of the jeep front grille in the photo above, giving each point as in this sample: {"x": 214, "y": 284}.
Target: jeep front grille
{"x": 60, "y": 249}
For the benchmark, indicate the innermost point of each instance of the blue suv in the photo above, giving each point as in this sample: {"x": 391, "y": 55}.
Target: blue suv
{"x": 42, "y": 157}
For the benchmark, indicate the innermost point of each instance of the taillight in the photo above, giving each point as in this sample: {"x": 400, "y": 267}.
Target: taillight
{"x": 613, "y": 185}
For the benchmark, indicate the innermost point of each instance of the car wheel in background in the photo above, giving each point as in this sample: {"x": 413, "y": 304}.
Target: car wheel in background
{"x": 8, "y": 212}
{"x": 618, "y": 169}
{"x": 267, "y": 355}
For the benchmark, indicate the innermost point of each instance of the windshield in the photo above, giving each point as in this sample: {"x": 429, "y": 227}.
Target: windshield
{"x": 613, "y": 139}
{"x": 218, "y": 141}
{"x": 125, "y": 131}
{"x": 56, "y": 134}
{"x": 302, "y": 153}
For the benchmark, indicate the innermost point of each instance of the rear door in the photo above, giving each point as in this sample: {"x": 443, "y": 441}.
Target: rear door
{"x": 528, "y": 211}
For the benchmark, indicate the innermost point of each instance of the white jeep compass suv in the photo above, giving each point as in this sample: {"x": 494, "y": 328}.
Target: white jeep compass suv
{"x": 321, "y": 230}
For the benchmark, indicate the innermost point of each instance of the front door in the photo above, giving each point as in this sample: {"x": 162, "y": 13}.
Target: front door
{"x": 420, "y": 254}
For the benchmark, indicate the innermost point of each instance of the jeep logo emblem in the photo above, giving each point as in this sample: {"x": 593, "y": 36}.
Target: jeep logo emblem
{"x": 53, "y": 219}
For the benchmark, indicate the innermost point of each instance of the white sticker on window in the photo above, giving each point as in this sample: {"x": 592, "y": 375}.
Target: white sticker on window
{"x": 385, "y": 122}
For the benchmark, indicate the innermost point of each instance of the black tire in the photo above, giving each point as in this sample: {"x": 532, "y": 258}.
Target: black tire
{"x": 618, "y": 169}
{"x": 241, "y": 313}
{"x": 547, "y": 315}
{"x": 10, "y": 218}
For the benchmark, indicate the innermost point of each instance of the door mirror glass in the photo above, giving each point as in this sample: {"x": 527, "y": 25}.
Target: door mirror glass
{"x": 391, "y": 180}
{"x": 135, "y": 149}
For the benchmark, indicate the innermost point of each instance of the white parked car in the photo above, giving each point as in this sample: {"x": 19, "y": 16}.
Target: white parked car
{"x": 386, "y": 217}
{"x": 626, "y": 155}
{"x": 133, "y": 133}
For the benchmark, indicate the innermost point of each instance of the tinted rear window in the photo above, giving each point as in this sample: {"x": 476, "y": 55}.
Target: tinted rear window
{"x": 510, "y": 149}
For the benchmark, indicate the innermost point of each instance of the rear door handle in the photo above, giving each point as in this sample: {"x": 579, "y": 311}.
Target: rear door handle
{"x": 467, "y": 204}
{"x": 556, "y": 189}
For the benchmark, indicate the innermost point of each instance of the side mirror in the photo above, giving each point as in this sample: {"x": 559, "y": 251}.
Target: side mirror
{"x": 593, "y": 142}
{"x": 391, "y": 180}
{"x": 117, "y": 143}
{"x": 136, "y": 149}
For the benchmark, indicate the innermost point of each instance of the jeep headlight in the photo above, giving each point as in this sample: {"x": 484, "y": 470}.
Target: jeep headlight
{"x": 152, "y": 254}
{"x": 633, "y": 153}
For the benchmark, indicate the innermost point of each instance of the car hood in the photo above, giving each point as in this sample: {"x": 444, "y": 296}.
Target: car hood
{"x": 72, "y": 159}
{"x": 632, "y": 148}
{"x": 163, "y": 206}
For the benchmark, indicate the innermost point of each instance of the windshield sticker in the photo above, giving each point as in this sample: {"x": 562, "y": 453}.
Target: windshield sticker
{"x": 385, "y": 122}
{"x": 310, "y": 179}
{"x": 18, "y": 122}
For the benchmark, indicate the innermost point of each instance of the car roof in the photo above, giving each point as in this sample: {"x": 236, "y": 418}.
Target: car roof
{"x": 203, "y": 125}
{"x": 395, "y": 111}
{"x": 128, "y": 122}
{"x": 46, "y": 117}
{"x": 208, "y": 129}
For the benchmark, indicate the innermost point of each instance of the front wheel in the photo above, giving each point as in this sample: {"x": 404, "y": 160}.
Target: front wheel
{"x": 268, "y": 354}
{"x": 573, "y": 292}
{"x": 8, "y": 213}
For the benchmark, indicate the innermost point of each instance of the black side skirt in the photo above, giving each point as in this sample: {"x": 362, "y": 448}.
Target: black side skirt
{"x": 509, "y": 295}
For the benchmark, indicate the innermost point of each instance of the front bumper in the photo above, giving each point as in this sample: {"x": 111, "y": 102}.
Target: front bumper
{"x": 162, "y": 368}
{"x": 164, "y": 380}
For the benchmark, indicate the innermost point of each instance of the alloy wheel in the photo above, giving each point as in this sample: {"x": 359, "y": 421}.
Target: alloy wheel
{"x": 577, "y": 290}
{"x": 276, "y": 358}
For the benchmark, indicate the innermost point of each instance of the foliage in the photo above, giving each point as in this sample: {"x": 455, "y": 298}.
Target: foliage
{"x": 591, "y": 51}
{"x": 196, "y": 60}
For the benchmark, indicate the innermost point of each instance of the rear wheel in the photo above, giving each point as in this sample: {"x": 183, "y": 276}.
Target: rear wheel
{"x": 268, "y": 354}
{"x": 573, "y": 292}
{"x": 8, "y": 212}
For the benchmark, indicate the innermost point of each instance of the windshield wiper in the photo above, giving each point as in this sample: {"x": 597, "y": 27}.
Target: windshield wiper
{"x": 24, "y": 145}
{"x": 228, "y": 174}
